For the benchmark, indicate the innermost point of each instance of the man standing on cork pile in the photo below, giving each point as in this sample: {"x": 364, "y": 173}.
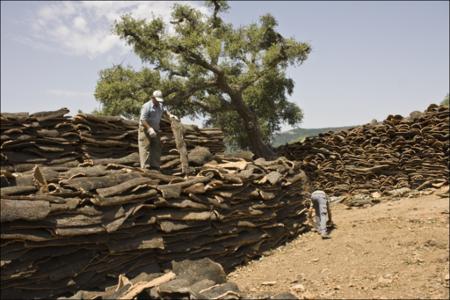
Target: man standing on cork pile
{"x": 320, "y": 203}
{"x": 149, "y": 128}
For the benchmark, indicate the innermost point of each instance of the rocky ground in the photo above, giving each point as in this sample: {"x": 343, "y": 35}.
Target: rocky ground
{"x": 396, "y": 249}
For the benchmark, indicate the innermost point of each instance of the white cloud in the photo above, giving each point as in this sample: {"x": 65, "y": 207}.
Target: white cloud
{"x": 80, "y": 24}
{"x": 85, "y": 28}
{"x": 68, "y": 93}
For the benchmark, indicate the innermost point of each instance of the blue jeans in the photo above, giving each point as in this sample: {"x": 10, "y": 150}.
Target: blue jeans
{"x": 320, "y": 203}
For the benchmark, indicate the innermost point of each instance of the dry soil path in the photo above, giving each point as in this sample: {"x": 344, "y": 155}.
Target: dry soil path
{"x": 396, "y": 249}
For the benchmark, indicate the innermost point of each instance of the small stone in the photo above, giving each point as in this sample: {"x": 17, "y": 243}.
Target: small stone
{"x": 269, "y": 283}
{"x": 399, "y": 192}
{"x": 384, "y": 281}
{"x": 298, "y": 288}
{"x": 72, "y": 283}
{"x": 308, "y": 295}
{"x": 376, "y": 195}
{"x": 315, "y": 260}
{"x": 337, "y": 287}
{"x": 283, "y": 296}
{"x": 447, "y": 277}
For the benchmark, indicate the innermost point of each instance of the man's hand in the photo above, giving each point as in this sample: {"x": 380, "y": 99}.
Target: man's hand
{"x": 173, "y": 117}
{"x": 151, "y": 132}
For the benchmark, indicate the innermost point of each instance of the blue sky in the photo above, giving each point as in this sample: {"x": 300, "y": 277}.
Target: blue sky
{"x": 369, "y": 59}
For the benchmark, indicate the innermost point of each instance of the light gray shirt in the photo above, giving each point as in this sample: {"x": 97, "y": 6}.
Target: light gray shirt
{"x": 152, "y": 114}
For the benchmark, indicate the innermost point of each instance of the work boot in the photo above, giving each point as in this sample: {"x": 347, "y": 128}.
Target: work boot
{"x": 331, "y": 225}
{"x": 325, "y": 236}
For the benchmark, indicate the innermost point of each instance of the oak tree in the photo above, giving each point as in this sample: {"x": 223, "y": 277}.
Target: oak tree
{"x": 234, "y": 78}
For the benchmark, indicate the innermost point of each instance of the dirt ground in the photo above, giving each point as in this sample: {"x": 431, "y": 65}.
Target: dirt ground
{"x": 393, "y": 250}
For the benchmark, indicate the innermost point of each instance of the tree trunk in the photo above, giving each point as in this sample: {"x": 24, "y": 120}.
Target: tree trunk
{"x": 256, "y": 143}
{"x": 251, "y": 126}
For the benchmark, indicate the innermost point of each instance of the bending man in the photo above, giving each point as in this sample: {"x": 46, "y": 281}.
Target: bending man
{"x": 322, "y": 211}
{"x": 149, "y": 129}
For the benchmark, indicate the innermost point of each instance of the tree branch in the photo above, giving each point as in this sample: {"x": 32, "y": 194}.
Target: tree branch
{"x": 191, "y": 91}
{"x": 196, "y": 59}
{"x": 225, "y": 106}
{"x": 247, "y": 84}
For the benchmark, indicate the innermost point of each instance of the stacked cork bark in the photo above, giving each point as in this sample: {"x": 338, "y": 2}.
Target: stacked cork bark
{"x": 52, "y": 139}
{"x": 106, "y": 136}
{"x": 199, "y": 279}
{"x": 114, "y": 137}
{"x": 211, "y": 138}
{"x": 399, "y": 152}
{"x": 64, "y": 230}
{"x": 187, "y": 279}
{"x": 47, "y": 138}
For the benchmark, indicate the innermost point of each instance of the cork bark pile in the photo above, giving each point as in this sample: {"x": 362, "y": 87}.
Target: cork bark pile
{"x": 187, "y": 279}
{"x": 70, "y": 229}
{"x": 399, "y": 152}
{"x": 54, "y": 139}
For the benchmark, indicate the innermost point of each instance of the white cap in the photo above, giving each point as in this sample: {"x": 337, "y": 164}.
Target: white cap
{"x": 158, "y": 95}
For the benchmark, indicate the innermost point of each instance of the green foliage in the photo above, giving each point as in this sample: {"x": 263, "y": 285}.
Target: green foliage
{"x": 445, "y": 101}
{"x": 235, "y": 78}
{"x": 123, "y": 91}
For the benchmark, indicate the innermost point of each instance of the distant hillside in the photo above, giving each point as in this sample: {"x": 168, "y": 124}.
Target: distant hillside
{"x": 299, "y": 134}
